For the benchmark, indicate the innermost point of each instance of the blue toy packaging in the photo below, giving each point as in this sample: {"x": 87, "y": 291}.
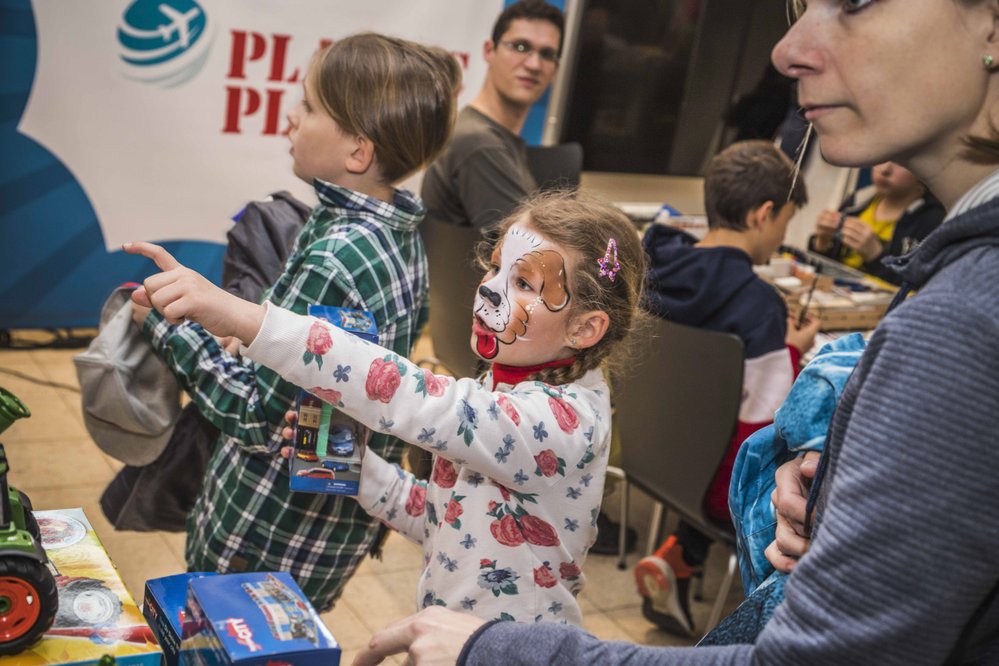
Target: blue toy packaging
{"x": 163, "y": 607}
{"x": 328, "y": 444}
{"x": 254, "y": 619}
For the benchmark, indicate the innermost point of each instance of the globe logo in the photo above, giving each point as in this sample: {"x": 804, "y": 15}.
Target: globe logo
{"x": 164, "y": 42}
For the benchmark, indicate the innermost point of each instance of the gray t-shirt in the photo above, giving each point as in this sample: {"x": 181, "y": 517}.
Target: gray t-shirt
{"x": 481, "y": 177}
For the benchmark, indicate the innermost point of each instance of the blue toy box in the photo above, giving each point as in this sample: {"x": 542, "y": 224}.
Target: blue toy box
{"x": 163, "y": 607}
{"x": 254, "y": 619}
{"x": 328, "y": 444}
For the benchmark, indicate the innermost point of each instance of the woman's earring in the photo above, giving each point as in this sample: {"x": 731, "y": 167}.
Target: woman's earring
{"x": 572, "y": 342}
{"x": 988, "y": 61}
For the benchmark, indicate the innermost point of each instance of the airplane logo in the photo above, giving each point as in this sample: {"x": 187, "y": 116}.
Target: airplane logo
{"x": 179, "y": 22}
{"x": 162, "y": 41}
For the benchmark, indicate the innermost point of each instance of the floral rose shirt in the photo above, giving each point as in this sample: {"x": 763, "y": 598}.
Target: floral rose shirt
{"x": 511, "y": 507}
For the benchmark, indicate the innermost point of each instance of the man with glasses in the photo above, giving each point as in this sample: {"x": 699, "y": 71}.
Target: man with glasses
{"x": 483, "y": 174}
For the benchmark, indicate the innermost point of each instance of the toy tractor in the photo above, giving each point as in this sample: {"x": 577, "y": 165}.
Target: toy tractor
{"x": 28, "y": 594}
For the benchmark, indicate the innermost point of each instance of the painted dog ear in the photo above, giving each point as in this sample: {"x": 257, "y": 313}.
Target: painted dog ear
{"x": 553, "y": 291}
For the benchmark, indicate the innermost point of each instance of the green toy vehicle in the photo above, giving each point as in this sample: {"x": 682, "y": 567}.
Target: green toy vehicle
{"x": 28, "y": 594}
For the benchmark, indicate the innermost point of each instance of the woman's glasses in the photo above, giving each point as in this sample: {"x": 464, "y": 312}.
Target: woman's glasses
{"x": 526, "y": 49}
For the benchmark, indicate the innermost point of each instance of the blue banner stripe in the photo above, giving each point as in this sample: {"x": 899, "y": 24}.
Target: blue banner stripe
{"x": 30, "y": 186}
{"x": 16, "y": 22}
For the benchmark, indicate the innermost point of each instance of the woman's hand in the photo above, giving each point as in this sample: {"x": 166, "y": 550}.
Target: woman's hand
{"x": 433, "y": 636}
{"x": 790, "y": 499}
{"x": 182, "y": 294}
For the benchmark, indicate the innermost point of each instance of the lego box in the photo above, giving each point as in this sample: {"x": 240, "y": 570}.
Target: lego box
{"x": 163, "y": 607}
{"x": 96, "y": 615}
{"x": 254, "y": 619}
{"x": 328, "y": 445}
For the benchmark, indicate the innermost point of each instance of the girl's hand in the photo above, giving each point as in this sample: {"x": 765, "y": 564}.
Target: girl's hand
{"x": 288, "y": 432}
{"x": 182, "y": 294}
{"x": 825, "y": 229}
{"x": 861, "y": 239}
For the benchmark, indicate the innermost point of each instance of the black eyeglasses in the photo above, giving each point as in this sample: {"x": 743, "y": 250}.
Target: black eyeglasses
{"x": 526, "y": 49}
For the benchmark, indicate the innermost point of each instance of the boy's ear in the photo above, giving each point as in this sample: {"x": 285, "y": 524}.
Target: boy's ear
{"x": 362, "y": 157}
{"x": 589, "y": 328}
{"x": 759, "y": 215}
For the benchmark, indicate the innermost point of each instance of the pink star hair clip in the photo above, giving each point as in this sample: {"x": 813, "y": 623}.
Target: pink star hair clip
{"x": 609, "y": 265}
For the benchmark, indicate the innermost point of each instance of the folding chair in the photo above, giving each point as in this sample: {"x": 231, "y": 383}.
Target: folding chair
{"x": 677, "y": 410}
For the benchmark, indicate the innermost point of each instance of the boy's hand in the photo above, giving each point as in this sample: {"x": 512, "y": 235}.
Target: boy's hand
{"x": 182, "y": 294}
{"x": 139, "y": 314}
{"x": 790, "y": 498}
{"x": 802, "y": 338}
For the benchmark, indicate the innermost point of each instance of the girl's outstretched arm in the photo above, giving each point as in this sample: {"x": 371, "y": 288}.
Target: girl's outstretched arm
{"x": 181, "y": 294}
{"x": 527, "y": 440}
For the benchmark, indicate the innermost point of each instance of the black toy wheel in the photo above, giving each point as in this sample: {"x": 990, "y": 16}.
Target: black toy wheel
{"x": 87, "y": 602}
{"x": 30, "y": 523}
{"x": 28, "y": 602}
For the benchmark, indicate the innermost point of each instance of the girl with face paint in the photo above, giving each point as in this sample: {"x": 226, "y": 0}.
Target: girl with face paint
{"x": 520, "y": 455}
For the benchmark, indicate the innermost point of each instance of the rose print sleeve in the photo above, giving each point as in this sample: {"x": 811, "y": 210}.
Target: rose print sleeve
{"x": 527, "y": 437}
{"x": 393, "y": 495}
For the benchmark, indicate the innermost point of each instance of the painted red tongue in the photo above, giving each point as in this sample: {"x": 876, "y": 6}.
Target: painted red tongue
{"x": 486, "y": 346}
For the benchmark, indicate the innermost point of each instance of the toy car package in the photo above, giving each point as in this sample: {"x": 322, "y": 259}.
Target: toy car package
{"x": 328, "y": 444}
{"x": 96, "y": 616}
{"x": 253, "y": 618}
{"x": 163, "y": 607}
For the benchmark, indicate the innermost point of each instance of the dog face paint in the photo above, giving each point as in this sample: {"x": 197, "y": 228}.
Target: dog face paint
{"x": 520, "y": 314}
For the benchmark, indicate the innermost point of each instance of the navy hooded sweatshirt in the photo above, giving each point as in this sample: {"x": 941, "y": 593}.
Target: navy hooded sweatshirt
{"x": 715, "y": 288}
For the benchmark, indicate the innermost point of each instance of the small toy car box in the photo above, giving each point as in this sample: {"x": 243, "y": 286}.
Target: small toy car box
{"x": 163, "y": 608}
{"x": 328, "y": 444}
{"x": 96, "y": 615}
{"x": 254, "y": 618}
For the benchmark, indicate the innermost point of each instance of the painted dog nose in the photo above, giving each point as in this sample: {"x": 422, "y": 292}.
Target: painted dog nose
{"x": 490, "y": 295}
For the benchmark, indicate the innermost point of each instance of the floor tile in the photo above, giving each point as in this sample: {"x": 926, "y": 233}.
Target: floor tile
{"x": 380, "y": 599}
{"x": 346, "y": 627}
{"x": 56, "y": 462}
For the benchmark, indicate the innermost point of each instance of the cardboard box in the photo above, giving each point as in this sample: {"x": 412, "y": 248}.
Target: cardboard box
{"x": 163, "y": 607}
{"x": 96, "y": 614}
{"x": 328, "y": 444}
{"x": 254, "y": 619}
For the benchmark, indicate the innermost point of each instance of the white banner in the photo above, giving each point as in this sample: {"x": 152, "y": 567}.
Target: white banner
{"x": 171, "y": 113}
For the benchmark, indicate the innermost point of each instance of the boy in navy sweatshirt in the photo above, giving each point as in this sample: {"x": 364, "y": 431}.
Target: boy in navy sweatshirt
{"x": 710, "y": 284}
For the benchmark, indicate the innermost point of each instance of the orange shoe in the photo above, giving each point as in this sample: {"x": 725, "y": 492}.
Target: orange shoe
{"x": 666, "y": 589}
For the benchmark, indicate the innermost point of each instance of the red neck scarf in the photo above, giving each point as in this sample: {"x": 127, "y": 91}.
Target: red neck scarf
{"x": 513, "y": 375}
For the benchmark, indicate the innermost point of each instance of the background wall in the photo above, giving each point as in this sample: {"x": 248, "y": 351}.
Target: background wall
{"x": 159, "y": 120}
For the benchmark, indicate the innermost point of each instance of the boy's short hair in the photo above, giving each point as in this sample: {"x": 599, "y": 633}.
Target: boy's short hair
{"x": 532, "y": 10}
{"x": 745, "y": 176}
{"x": 399, "y": 94}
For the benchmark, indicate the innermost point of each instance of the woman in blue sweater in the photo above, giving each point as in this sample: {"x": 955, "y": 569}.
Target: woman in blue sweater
{"x": 903, "y": 566}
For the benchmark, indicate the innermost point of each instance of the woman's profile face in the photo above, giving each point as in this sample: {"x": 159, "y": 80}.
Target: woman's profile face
{"x": 890, "y": 79}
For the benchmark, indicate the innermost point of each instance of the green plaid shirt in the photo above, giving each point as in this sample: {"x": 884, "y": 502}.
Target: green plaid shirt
{"x": 355, "y": 251}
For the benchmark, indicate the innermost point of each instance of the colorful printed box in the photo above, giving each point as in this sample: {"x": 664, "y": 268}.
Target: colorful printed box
{"x": 254, "y": 619}
{"x": 96, "y": 615}
{"x": 328, "y": 444}
{"x": 163, "y": 607}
